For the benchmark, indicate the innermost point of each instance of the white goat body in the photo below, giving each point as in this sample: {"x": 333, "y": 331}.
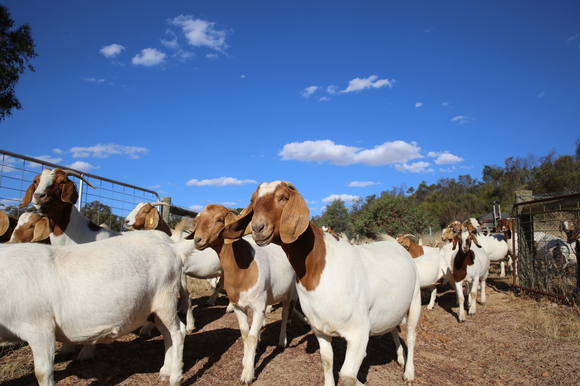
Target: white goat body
{"x": 351, "y": 291}
{"x": 197, "y": 264}
{"x": 432, "y": 267}
{"x": 91, "y": 293}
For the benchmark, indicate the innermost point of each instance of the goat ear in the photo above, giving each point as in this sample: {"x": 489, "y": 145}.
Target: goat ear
{"x": 41, "y": 230}
{"x": 28, "y": 196}
{"x": 4, "y": 223}
{"x": 454, "y": 242}
{"x": 152, "y": 219}
{"x": 295, "y": 218}
{"x": 474, "y": 239}
{"x": 191, "y": 235}
{"x": 241, "y": 225}
{"x": 69, "y": 193}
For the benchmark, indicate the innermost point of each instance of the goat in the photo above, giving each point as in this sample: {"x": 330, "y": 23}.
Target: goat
{"x": 351, "y": 291}
{"x": 200, "y": 265}
{"x": 7, "y": 225}
{"x": 91, "y": 293}
{"x": 470, "y": 266}
{"x": 31, "y": 228}
{"x": 496, "y": 246}
{"x": 54, "y": 195}
{"x": 432, "y": 267}
{"x": 253, "y": 278}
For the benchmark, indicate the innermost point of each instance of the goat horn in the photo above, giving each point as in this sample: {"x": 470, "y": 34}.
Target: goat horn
{"x": 410, "y": 235}
{"x": 78, "y": 175}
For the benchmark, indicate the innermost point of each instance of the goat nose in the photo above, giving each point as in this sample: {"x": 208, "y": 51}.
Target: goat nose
{"x": 39, "y": 195}
{"x": 258, "y": 227}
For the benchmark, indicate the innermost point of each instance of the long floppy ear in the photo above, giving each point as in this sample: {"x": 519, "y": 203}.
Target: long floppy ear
{"x": 454, "y": 242}
{"x": 28, "y": 196}
{"x": 230, "y": 219}
{"x": 152, "y": 219}
{"x": 193, "y": 228}
{"x": 295, "y": 218}
{"x": 474, "y": 239}
{"x": 241, "y": 226}
{"x": 69, "y": 193}
{"x": 41, "y": 230}
{"x": 4, "y": 223}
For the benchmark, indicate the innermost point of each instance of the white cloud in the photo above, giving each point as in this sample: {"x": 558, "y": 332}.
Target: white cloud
{"x": 149, "y": 57}
{"x": 574, "y": 37}
{"x": 358, "y": 84}
{"x": 362, "y": 184}
{"x": 104, "y": 151}
{"x": 323, "y": 99}
{"x": 445, "y": 158}
{"x": 332, "y": 90}
{"x": 197, "y": 208}
{"x": 418, "y": 104}
{"x": 461, "y": 119}
{"x": 416, "y": 167}
{"x": 309, "y": 91}
{"x": 319, "y": 151}
{"x": 94, "y": 80}
{"x": 82, "y": 166}
{"x": 220, "y": 182}
{"x": 112, "y": 50}
{"x": 201, "y": 32}
{"x": 346, "y": 198}
{"x": 540, "y": 95}
{"x": 211, "y": 56}
{"x": 170, "y": 43}
{"x": 328, "y": 151}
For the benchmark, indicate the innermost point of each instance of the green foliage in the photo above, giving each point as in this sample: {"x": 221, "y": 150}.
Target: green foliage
{"x": 16, "y": 48}
{"x": 100, "y": 213}
{"x": 15, "y": 212}
{"x": 392, "y": 215}
{"x": 336, "y": 217}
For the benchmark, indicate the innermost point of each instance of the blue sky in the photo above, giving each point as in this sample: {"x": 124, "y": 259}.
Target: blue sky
{"x": 204, "y": 100}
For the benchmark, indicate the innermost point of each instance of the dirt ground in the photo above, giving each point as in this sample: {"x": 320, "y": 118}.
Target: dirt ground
{"x": 500, "y": 345}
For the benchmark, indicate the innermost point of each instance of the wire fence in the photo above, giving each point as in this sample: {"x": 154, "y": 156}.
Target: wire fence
{"x": 109, "y": 203}
{"x": 547, "y": 255}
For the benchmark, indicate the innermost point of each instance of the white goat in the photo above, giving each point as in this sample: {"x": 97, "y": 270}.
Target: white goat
{"x": 91, "y": 293}
{"x": 351, "y": 291}
{"x": 254, "y": 278}
{"x": 199, "y": 265}
{"x": 470, "y": 265}
{"x": 432, "y": 267}
{"x": 54, "y": 195}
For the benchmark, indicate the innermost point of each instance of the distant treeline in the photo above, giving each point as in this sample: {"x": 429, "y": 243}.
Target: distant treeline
{"x": 410, "y": 210}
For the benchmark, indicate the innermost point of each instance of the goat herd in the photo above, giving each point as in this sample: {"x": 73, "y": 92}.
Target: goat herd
{"x": 90, "y": 287}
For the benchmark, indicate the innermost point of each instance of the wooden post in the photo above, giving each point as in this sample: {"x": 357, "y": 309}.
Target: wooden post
{"x": 165, "y": 209}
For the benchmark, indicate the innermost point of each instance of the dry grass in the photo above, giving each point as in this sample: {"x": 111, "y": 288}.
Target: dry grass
{"x": 15, "y": 361}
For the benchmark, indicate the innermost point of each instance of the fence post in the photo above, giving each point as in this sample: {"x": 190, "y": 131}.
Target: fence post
{"x": 525, "y": 234}
{"x": 165, "y": 209}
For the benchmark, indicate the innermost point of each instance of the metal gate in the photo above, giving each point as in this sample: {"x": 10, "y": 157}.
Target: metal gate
{"x": 547, "y": 260}
{"x": 18, "y": 171}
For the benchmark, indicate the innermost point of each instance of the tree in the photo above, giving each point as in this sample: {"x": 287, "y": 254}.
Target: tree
{"x": 100, "y": 213}
{"x": 16, "y": 48}
{"x": 337, "y": 218}
{"x": 392, "y": 215}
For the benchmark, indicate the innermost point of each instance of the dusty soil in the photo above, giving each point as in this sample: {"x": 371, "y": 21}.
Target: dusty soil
{"x": 493, "y": 347}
